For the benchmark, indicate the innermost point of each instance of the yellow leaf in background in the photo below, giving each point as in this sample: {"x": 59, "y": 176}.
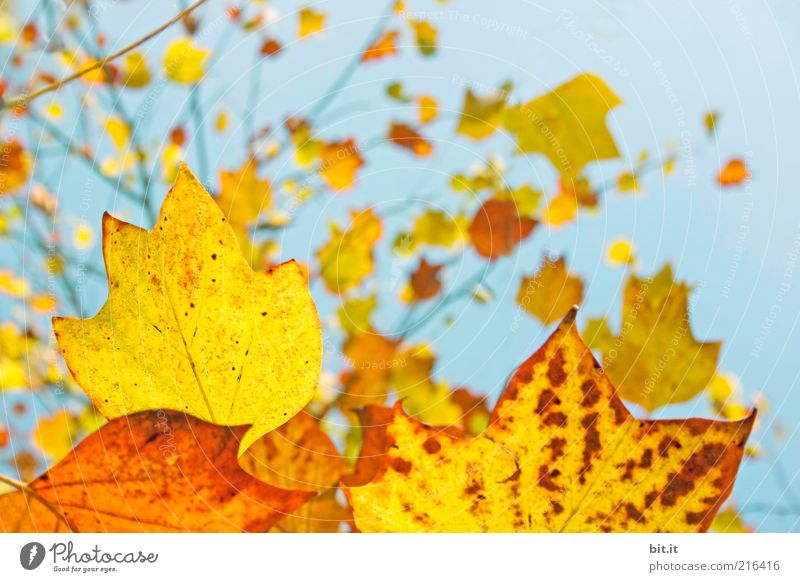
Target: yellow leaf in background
{"x": 9, "y": 29}
{"x": 621, "y": 253}
{"x": 83, "y": 237}
{"x": 171, "y": 157}
{"x": 561, "y": 453}
{"x": 339, "y": 163}
{"x": 728, "y": 520}
{"x": 481, "y": 116}
{"x": 243, "y": 197}
{"x": 347, "y": 258}
{"x": 221, "y": 123}
{"x": 551, "y": 292}
{"x": 655, "y": 360}
{"x": 54, "y": 435}
{"x": 15, "y": 166}
{"x": 118, "y": 131}
{"x": 437, "y": 228}
{"x": 372, "y": 357}
{"x": 628, "y": 182}
{"x": 311, "y": 22}
{"x": 184, "y": 62}
{"x": 189, "y": 326}
{"x": 355, "y": 314}
{"x": 425, "y": 36}
{"x": 135, "y": 72}
{"x": 563, "y": 208}
{"x": 567, "y": 125}
{"x": 53, "y": 111}
{"x": 725, "y": 392}
{"x": 668, "y": 167}
{"x": 710, "y": 121}
{"x": 12, "y": 285}
{"x": 44, "y": 303}
{"x": 428, "y": 109}
{"x": 525, "y": 197}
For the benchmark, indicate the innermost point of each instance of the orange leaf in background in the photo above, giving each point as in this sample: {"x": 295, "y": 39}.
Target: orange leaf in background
{"x": 15, "y": 166}
{"x": 299, "y": 455}
{"x": 155, "y": 471}
{"x": 383, "y": 47}
{"x": 551, "y": 292}
{"x": 339, "y": 163}
{"x": 425, "y": 281}
{"x": 734, "y": 173}
{"x": 271, "y": 47}
{"x": 372, "y": 357}
{"x": 497, "y": 228}
{"x": 405, "y": 136}
{"x": 561, "y": 453}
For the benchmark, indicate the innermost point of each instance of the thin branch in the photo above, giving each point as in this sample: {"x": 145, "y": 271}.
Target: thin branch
{"x": 20, "y": 486}
{"x": 22, "y": 100}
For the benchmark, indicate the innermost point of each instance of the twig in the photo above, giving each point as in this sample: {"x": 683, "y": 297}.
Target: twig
{"x": 20, "y": 486}
{"x": 22, "y": 100}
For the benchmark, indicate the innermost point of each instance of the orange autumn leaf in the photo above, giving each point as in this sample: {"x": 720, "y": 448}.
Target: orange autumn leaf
{"x": 425, "y": 281}
{"x": 299, "y": 455}
{"x": 384, "y": 47}
{"x": 15, "y": 166}
{"x": 371, "y": 357}
{"x": 551, "y": 292}
{"x": 339, "y": 163}
{"x": 561, "y": 453}
{"x": 405, "y": 136}
{"x": 155, "y": 471}
{"x": 734, "y": 173}
{"x": 497, "y": 228}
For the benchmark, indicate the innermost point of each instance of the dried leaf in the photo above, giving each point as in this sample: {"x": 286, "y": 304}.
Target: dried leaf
{"x": 497, "y": 229}
{"x": 155, "y": 471}
{"x": 405, "y": 136}
{"x": 655, "y": 360}
{"x": 562, "y": 453}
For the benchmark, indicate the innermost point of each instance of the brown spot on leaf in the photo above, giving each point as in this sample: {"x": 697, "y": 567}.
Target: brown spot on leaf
{"x": 555, "y": 369}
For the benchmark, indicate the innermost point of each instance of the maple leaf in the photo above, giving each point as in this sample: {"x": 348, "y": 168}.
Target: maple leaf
{"x": 300, "y": 456}
{"x": 551, "y": 292}
{"x": 189, "y": 326}
{"x": 655, "y": 360}
{"x": 497, "y": 228}
{"x": 567, "y": 125}
{"x": 155, "y": 471}
{"x": 561, "y": 453}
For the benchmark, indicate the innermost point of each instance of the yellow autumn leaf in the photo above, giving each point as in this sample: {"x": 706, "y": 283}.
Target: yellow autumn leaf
{"x": 243, "y": 197}
{"x": 551, "y": 292}
{"x": 339, "y": 162}
{"x": 184, "y": 61}
{"x": 729, "y": 521}
{"x": 135, "y": 73}
{"x": 561, "y": 454}
{"x": 311, "y": 22}
{"x": 189, "y": 326}
{"x": 655, "y": 360}
{"x": 16, "y": 165}
{"x": 563, "y": 208}
{"x": 347, "y": 258}
{"x": 55, "y": 434}
{"x": 628, "y": 182}
{"x": 355, "y": 314}
{"x": 425, "y": 36}
{"x": 481, "y": 116}
{"x": 428, "y": 109}
{"x": 621, "y": 252}
{"x": 567, "y": 125}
